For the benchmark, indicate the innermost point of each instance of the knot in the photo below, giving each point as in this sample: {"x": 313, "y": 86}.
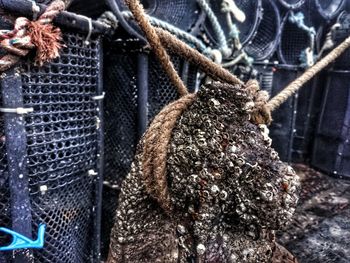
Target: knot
{"x": 27, "y": 35}
{"x": 261, "y": 113}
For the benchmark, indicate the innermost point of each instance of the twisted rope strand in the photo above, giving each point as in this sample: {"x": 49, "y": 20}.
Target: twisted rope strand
{"x": 155, "y": 149}
{"x": 152, "y": 37}
{"x": 180, "y": 48}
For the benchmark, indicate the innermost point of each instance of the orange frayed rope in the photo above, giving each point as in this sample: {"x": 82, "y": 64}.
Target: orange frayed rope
{"x": 27, "y": 35}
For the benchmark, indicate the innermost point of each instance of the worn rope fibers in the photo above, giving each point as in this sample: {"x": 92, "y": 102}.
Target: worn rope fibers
{"x": 26, "y": 35}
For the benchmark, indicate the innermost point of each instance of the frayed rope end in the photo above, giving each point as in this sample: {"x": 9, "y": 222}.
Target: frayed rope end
{"x": 47, "y": 40}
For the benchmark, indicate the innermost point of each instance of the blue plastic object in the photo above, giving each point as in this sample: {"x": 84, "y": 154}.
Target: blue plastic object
{"x": 19, "y": 241}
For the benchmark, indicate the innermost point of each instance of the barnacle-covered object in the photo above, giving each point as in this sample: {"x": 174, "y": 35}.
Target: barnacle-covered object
{"x": 228, "y": 189}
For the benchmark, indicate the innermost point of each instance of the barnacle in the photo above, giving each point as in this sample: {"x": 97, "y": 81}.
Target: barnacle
{"x": 228, "y": 188}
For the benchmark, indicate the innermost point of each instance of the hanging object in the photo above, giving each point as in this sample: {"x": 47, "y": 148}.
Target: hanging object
{"x": 222, "y": 192}
{"x": 266, "y": 38}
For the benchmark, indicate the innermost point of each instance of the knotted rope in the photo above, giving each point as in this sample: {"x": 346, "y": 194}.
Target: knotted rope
{"x": 26, "y": 35}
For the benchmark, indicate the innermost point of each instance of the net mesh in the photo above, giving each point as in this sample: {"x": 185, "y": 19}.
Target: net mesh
{"x": 62, "y": 144}
{"x": 293, "y": 42}
{"x": 265, "y": 41}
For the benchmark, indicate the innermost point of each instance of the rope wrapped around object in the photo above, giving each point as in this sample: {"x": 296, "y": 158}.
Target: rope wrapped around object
{"x": 27, "y": 35}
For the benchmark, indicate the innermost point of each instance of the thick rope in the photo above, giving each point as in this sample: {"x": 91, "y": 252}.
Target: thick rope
{"x": 156, "y": 141}
{"x": 214, "y": 70}
{"x": 152, "y": 37}
{"x": 293, "y": 87}
{"x": 27, "y": 35}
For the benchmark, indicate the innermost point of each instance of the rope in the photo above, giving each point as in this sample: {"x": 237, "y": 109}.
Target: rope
{"x": 152, "y": 37}
{"x": 26, "y": 35}
{"x": 175, "y": 31}
{"x": 156, "y": 141}
{"x": 226, "y": 51}
{"x": 178, "y": 47}
{"x": 293, "y": 87}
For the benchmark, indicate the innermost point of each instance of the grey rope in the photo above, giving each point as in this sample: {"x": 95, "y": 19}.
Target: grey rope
{"x": 225, "y": 50}
{"x": 234, "y": 35}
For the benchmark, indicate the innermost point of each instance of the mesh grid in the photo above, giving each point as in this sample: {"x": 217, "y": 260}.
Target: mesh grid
{"x": 62, "y": 148}
{"x": 161, "y": 90}
{"x": 293, "y": 42}
{"x": 120, "y": 111}
{"x": 267, "y": 35}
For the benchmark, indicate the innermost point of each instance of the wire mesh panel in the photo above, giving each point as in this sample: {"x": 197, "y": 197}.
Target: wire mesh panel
{"x": 293, "y": 42}
{"x": 265, "y": 41}
{"x": 331, "y": 151}
{"x": 63, "y": 140}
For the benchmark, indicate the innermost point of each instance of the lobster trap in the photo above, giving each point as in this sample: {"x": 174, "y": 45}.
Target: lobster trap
{"x": 51, "y": 146}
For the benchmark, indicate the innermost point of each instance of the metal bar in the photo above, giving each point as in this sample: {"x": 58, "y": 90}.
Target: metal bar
{"x": 100, "y": 154}
{"x": 64, "y": 19}
{"x": 142, "y": 93}
{"x": 16, "y": 147}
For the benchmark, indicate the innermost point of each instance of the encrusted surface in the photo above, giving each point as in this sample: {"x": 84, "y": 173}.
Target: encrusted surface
{"x": 229, "y": 189}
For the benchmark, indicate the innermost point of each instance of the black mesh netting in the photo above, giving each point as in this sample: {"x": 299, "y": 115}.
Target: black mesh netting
{"x": 331, "y": 151}
{"x": 266, "y": 39}
{"x": 293, "y": 42}
{"x": 62, "y": 148}
{"x": 252, "y": 10}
